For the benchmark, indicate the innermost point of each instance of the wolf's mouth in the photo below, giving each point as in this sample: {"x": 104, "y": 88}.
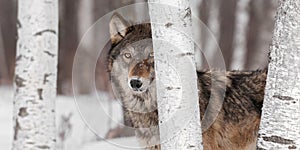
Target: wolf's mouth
{"x": 139, "y": 90}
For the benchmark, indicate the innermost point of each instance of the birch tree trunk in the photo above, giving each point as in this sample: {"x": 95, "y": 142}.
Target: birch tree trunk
{"x": 4, "y": 75}
{"x": 240, "y": 35}
{"x": 213, "y": 23}
{"x": 85, "y": 69}
{"x": 280, "y": 125}
{"x": 69, "y": 39}
{"x": 36, "y": 74}
{"x": 177, "y": 94}
{"x": 8, "y": 19}
{"x": 195, "y": 5}
{"x": 260, "y": 32}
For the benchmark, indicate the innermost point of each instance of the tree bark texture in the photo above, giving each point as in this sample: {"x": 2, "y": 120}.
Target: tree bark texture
{"x": 280, "y": 124}
{"x": 36, "y": 75}
{"x": 178, "y": 107}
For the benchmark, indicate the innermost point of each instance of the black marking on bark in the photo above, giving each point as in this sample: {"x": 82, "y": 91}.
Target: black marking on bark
{"x": 50, "y": 54}
{"x": 169, "y": 24}
{"x": 18, "y": 58}
{"x": 188, "y": 12}
{"x": 44, "y": 31}
{"x": 284, "y": 12}
{"x": 287, "y": 98}
{"x": 19, "y": 25}
{"x": 43, "y": 147}
{"x": 16, "y": 128}
{"x": 277, "y": 139}
{"x": 23, "y": 112}
{"x": 19, "y": 81}
{"x": 187, "y": 54}
{"x": 258, "y": 148}
{"x": 169, "y": 88}
{"x": 40, "y": 93}
{"x": 31, "y": 143}
{"x": 191, "y": 146}
{"x": 292, "y": 147}
{"x": 45, "y": 78}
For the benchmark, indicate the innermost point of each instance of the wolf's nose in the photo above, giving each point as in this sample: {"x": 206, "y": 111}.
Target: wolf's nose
{"x": 136, "y": 83}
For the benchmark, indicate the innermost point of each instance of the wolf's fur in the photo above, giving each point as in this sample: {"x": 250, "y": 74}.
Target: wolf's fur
{"x": 237, "y": 123}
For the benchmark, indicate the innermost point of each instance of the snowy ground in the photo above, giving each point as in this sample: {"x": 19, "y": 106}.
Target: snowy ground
{"x": 114, "y": 144}
{"x": 81, "y": 123}
{"x": 6, "y": 126}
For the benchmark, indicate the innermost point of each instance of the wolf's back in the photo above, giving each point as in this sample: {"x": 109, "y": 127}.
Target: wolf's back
{"x": 230, "y": 106}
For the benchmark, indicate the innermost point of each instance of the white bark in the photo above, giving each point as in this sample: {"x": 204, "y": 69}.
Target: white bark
{"x": 177, "y": 94}
{"x": 36, "y": 74}
{"x": 240, "y": 35}
{"x": 280, "y": 125}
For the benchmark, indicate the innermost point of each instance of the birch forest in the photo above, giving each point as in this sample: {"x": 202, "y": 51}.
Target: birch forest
{"x": 56, "y": 80}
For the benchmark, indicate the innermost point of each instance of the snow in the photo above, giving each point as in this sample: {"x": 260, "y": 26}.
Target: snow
{"x": 115, "y": 144}
{"x": 79, "y": 127}
{"x": 6, "y": 119}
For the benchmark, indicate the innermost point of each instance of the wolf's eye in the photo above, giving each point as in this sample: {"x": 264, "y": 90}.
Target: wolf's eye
{"x": 127, "y": 55}
{"x": 151, "y": 54}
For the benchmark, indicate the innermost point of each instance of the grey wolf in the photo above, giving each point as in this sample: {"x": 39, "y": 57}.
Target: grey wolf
{"x": 131, "y": 67}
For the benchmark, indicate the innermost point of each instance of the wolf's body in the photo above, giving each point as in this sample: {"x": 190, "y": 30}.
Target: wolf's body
{"x": 132, "y": 74}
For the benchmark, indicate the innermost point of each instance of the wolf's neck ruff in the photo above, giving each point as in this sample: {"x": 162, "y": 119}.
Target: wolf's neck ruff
{"x": 233, "y": 127}
{"x": 140, "y": 103}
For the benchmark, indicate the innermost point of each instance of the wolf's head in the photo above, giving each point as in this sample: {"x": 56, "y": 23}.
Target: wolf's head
{"x": 131, "y": 62}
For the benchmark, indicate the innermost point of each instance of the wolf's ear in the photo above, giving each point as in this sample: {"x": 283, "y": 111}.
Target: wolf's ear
{"x": 117, "y": 28}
